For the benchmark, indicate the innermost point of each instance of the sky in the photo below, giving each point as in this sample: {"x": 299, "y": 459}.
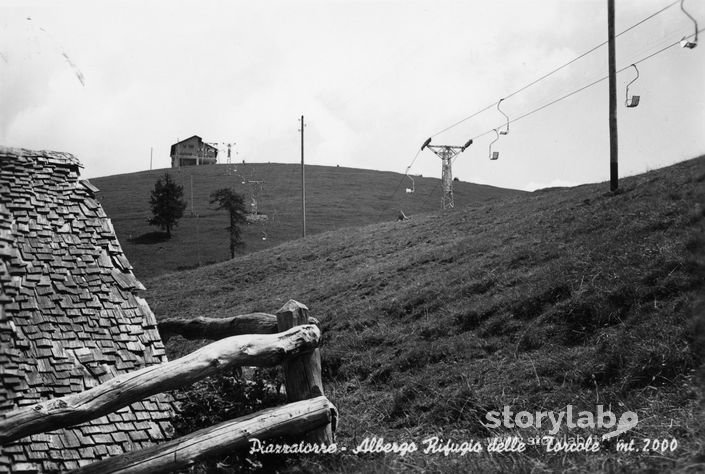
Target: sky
{"x": 116, "y": 83}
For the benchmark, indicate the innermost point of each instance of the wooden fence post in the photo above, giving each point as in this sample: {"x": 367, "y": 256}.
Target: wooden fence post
{"x": 302, "y": 373}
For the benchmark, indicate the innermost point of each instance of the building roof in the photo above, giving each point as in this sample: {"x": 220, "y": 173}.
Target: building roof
{"x": 173, "y": 147}
{"x": 70, "y": 314}
{"x": 190, "y": 138}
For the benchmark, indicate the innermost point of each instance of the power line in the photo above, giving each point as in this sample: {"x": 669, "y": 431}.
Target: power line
{"x": 555, "y": 70}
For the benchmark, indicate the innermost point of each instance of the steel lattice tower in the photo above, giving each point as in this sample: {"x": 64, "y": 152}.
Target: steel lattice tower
{"x": 446, "y": 153}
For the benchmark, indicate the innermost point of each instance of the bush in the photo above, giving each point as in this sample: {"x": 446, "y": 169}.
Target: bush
{"x": 223, "y": 398}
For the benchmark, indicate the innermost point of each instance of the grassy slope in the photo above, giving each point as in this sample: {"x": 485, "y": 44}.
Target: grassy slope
{"x": 564, "y": 296}
{"x": 335, "y": 198}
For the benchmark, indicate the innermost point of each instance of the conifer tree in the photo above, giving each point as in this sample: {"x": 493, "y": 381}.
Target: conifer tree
{"x": 167, "y": 203}
{"x": 235, "y": 205}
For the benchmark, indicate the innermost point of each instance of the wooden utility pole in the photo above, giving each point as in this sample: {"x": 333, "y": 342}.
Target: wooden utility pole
{"x": 303, "y": 182}
{"x": 192, "y": 213}
{"x": 151, "y": 154}
{"x": 614, "y": 148}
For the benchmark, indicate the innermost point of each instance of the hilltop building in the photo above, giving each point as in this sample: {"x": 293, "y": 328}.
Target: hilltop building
{"x": 70, "y": 314}
{"x": 192, "y": 152}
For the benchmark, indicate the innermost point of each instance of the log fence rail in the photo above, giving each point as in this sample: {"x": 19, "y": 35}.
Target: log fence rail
{"x": 290, "y": 338}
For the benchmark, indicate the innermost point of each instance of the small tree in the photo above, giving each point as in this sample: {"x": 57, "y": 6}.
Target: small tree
{"x": 167, "y": 204}
{"x": 235, "y": 205}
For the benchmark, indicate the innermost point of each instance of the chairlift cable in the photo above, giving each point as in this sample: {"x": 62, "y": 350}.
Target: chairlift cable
{"x": 555, "y": 70}
{"x": 645, "y": 58}
{"x": 666, "y": 39}
{"x": 593, "y": 49}
{"x": 587, "y": 86}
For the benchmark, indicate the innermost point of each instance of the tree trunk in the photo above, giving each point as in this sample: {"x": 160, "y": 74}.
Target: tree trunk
{"x": 232, "y": 235}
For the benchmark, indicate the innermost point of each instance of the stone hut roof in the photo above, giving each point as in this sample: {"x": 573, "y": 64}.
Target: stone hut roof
{"x": 70, "y": 314}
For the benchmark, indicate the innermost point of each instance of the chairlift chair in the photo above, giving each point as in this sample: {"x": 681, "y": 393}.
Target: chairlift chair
{"x": 688, "y": 44}
{"x": 685, "y": 42}
{"x": 506, "y": 130}
{"x": 412, "y": 189}
{"x": 494, "y": 154}
{"x": 632, "y": 101}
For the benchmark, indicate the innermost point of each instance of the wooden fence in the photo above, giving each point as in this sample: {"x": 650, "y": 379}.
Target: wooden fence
{"x": 261, "y": 340}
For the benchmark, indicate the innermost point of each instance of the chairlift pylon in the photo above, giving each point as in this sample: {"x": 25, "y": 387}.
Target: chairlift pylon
{"x": 446, "y": 153}
{"x": 494, "y": 154}
{"x": 505, "y": 131}
{"x": 412, "y": 189}
{"x": 632, "y": 101}
{"x": 685, "y": 42}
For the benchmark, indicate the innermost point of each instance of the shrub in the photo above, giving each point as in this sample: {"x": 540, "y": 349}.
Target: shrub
{"x": 224, "y": 397}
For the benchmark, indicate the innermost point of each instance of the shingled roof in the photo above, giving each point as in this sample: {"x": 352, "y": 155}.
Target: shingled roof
{"x": 70, "y": 314}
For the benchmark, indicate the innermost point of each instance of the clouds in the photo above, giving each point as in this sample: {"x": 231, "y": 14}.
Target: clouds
{"x": 373, "y": 78}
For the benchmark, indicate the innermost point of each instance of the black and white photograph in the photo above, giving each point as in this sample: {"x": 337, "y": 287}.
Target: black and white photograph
{"x": 352, "y": 236}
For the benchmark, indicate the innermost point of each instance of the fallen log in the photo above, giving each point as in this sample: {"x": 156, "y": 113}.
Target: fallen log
{"x": 250, "y": 350}
{"x": 218, "y": 328}
{"x": 291, "y": 419}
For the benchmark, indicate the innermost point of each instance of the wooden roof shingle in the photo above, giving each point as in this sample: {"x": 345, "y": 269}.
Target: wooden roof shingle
{"x": 70, "y": 314}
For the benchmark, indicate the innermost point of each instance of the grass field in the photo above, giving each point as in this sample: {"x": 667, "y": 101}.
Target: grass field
{"x": 335, "y": 198}
{"x": 534, "y": 301}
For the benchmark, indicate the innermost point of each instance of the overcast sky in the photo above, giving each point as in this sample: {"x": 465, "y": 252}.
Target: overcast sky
{"x": 108, "y": 81}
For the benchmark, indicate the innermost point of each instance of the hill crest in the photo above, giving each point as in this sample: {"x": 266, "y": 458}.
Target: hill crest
{"x": 336, "y": 197}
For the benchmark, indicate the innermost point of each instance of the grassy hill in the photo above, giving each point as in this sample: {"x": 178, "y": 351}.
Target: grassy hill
{"x": 569, "y": 296}
{"x": 335, "y": 198}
